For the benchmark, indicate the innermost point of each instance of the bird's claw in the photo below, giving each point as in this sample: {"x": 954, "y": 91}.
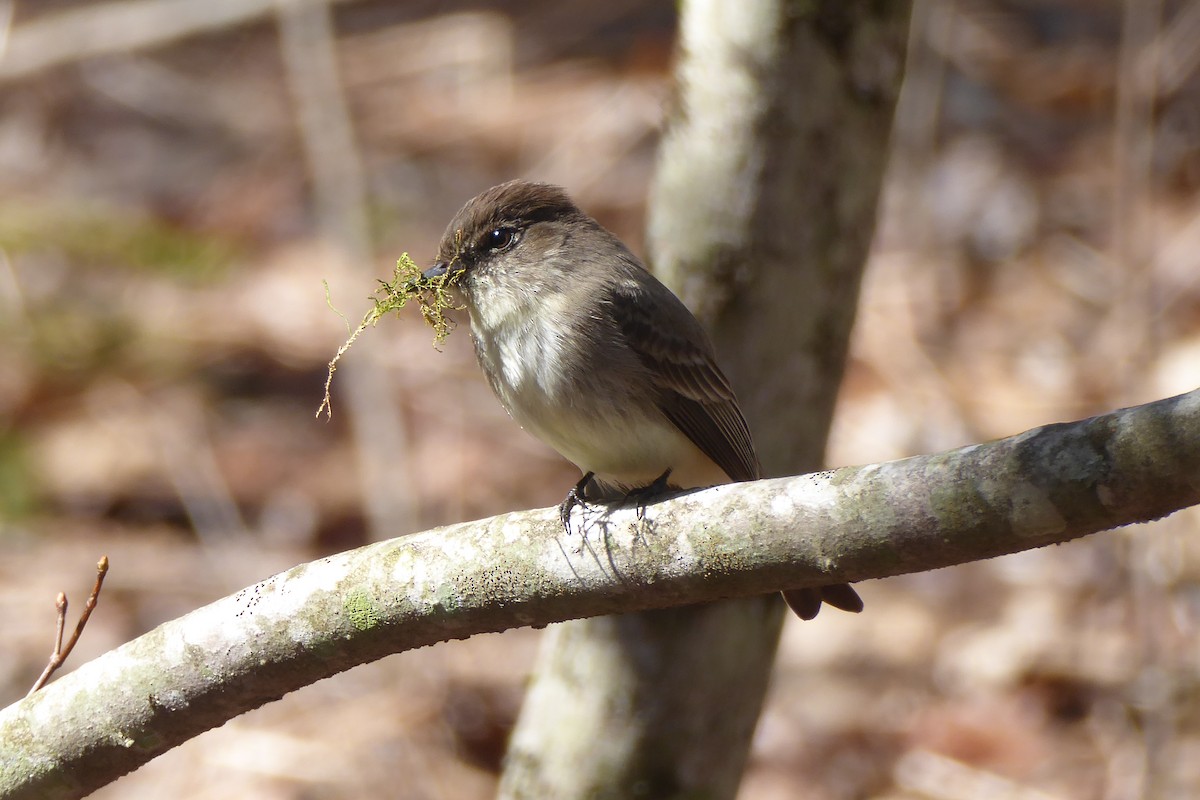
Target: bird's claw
{"x": 576, "y": 496}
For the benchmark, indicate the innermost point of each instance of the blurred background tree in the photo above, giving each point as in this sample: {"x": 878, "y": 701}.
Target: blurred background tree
{"x": 762, "y": 214}
{"x": 164, "y": 228}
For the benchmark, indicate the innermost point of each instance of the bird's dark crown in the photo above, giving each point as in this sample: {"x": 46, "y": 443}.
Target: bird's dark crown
{"x": 514, "y": 205}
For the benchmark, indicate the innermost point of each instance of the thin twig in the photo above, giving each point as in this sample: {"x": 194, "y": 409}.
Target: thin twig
{"x": 59, "y": 656}
{"x": 60, "y": 604}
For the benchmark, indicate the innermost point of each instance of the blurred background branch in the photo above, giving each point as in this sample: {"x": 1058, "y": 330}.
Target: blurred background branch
{"x": 106, "y": 28}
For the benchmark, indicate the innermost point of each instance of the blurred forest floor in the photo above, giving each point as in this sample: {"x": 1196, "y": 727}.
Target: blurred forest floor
{"x": 168, "y": 210}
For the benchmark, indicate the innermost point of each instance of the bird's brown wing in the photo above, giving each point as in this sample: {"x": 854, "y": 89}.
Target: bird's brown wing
{"x": 698, "y": 399}
{"x": 694, "y": 394}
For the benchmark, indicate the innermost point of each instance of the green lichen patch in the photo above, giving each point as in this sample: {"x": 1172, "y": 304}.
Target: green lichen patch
{"x": 360, "y": 607}
{"x": 432, "y": 295}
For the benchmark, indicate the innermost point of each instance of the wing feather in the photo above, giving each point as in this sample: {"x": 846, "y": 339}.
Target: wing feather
{"x": 694, "y": 393}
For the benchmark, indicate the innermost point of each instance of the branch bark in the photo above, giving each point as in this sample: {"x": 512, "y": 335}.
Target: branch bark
{"x": 1045, "y": 486}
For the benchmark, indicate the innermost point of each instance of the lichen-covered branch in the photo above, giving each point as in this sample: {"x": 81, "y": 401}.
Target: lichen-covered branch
{"x": 1048, "y": 485}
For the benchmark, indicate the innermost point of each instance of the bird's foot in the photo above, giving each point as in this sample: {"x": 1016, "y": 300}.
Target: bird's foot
{"x": 644, "y": 495}
{"x": 577, "y": 496}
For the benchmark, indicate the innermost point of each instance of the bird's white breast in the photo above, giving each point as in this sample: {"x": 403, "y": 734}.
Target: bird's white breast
{"x": 573, "y": 398}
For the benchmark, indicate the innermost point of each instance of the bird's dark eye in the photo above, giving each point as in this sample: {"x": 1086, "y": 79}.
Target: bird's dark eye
{"x": 500, "y": 238}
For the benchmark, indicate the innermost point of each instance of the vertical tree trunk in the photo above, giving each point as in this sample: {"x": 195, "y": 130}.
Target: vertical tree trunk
{"x": 761, "y": 219}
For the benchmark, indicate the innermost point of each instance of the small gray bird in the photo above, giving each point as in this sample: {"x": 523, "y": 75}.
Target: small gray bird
{"x": 590, "y": 353}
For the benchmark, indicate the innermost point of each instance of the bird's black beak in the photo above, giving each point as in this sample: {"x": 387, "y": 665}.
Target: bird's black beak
{"x": 436, "y": 271}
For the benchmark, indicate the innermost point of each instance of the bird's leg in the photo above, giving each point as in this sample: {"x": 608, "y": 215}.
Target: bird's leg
{"x": 644, "y": 495}
{"x": 577, "y": 496}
